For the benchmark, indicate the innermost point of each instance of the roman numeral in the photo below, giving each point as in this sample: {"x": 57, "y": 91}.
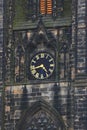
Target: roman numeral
{"x": 37, "y": 57}
{"x": 42, "y": 55}
{"x": 51, "y": 65}
{"x": 50, "y": 59}
{"x": 33, "y": 71}
{"x": 41, "y": 76}
{"x": 33, "y": 61}
{"x": 37, "y": 75}
{"x": 50, "y": 70}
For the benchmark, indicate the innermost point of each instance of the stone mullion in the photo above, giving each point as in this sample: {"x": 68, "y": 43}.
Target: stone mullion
{"x": 75, "y": 25}
{"x": 81, "y": 37}
{"x": 73, "y": 57}
{"x": 10, "y": 41}
{"x": 73, "y": 52}
{"x": 7, "y": 73}
{"x": 86, "y": 35}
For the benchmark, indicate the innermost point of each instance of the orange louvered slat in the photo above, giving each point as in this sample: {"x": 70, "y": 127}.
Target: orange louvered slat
{"x": 42, "y": 7}
{"x": 49, "y": 6}
{"x": 46, "y": 6}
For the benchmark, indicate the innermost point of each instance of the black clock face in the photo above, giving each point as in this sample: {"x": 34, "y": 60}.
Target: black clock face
{"x": 42, "y": 65}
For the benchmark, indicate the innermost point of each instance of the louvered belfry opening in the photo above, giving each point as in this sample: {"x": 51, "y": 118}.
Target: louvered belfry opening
{"x": 46, "y": 6}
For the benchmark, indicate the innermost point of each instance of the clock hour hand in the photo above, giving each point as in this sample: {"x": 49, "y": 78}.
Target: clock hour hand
{"x": 40, "y": 66}
{"x": 44, "y": 68}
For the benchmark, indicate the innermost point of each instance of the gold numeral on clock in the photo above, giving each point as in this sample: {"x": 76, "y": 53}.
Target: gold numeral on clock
{"x": 33, "y": 72}
{"x": 37, "y": 57}
{"x": 42, "y": 55}
{"x": 37, "y": 75}
{"x": 51, "y": 65}
{"x": 32, "y": 67}
{"x": 33, "y": 61}
{"x": 41, "y": 76}
{"x": 50, "y": 59}
{"x": 50, "y": 70}
{"x": 47, "y": 56}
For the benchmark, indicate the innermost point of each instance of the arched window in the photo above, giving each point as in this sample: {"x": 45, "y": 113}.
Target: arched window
{"x": 41, "y": 116}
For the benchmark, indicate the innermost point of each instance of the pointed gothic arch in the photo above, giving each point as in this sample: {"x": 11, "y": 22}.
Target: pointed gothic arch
{"x": 41, "y": 116}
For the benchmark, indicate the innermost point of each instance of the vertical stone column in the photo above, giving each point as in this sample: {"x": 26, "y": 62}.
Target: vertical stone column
{"x": 1, "y": 54}
{"x": 1, "y": 40}
{"x": 80, "y": 36}
{"x": 79, "y": 39}
{"x": 74, "y": 37}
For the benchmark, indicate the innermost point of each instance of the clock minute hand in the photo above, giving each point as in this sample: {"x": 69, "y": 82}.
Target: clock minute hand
{"x": 40, "y": 66}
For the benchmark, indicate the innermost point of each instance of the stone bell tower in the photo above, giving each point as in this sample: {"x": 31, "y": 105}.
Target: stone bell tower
{"x": 43, "y": 55}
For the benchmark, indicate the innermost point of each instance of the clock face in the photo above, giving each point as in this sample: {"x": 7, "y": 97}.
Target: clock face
{"x": 42, "y": 65}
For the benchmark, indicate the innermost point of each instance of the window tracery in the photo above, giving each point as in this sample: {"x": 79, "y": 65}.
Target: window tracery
{"x": 41, "y": 121}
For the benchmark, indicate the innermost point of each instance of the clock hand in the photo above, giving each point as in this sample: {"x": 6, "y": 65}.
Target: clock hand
{"x": 40, "y": 66}
{"x": 44, "y": 68}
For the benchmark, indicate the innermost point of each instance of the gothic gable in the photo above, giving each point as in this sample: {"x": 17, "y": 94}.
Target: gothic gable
{"x": 41, "y": 116}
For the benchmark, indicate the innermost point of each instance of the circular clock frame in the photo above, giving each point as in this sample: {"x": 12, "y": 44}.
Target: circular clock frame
{"x": 42, "y": 65}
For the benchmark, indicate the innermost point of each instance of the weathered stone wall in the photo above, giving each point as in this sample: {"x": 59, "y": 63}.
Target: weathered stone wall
{"x": 79, "y": 35}
{"x": 80, "y": 103}
{"x": 21, "y": 97}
